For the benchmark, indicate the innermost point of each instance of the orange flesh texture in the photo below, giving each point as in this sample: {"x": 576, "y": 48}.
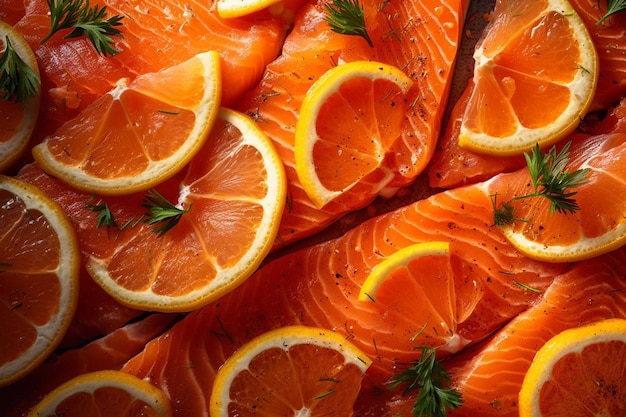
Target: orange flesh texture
{"x": 362, "y": 138}
{"x": 427, "y": 275}
{"x": 108, "y": 352}
{"x": 312, "y": 48}
{"x": 294, "y": 387}
{"x": 490, "y": 375}
{"x": 30, "y": 289}
{"x": 154, "y": 37}
{"x": 182, "y": 259}
{"x": 601, "y": 195}
{"x": 319, "y": 286}
{"x": 149, "y": 109}
{"x": 508, "y": 91}
{"x": 599, "y": 392}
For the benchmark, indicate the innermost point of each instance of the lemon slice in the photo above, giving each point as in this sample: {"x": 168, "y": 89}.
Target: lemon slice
{"x": 237, "y": 8}
{"x": 140, "y": 133}
{"x": 235, "y": 190}
{"x": 399, "y": 260}
{"x": 535, "y": 75}
{"x": 349, "y": 119}
{"x": 104, "y": 393}
{"x": 39, "y": 273}
{"x": 582, "y": 368}
{"x": 293, "y": 370}
{"x": 597, "y": 227}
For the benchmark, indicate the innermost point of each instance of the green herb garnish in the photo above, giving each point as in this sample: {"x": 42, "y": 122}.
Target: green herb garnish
{"x": 427, "y": 375}
{"x": 550, "y": 180}
{"x": 347, "y": 17}
{"x": 526, "y": 286}
{"x": 104, "y": 217}
{"x": 85, "y": 21}
{"x": 613, "y": 6}
{"x": 161, "y": 211}
{"x": 18, "y": 81}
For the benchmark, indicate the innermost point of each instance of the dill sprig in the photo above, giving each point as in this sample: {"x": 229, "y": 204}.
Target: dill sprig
{"x": 18, "y": 81}
{"x": 550, "y": 179}
{"x": 105, "y": 216}
{"x": 427, "y": 375}
{"x": 348, "y": 18}
{"x": 85, "y": 21}
{"x": 160, "y": 210}
{"x": 613, "y": 6}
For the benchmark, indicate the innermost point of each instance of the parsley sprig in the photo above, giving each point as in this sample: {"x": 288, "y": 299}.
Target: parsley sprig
{"x": 85, "y": 21}
{"x": 348, "y": 18}
{"x": 18, "y": 81}
{"x": 550, "y": 179}
{"x": 427, "y": 375}
{"x": 613, "y": 6}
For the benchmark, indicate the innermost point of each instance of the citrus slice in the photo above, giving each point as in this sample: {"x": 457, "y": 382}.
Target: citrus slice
{"x": 399, "y": 263}
{"x": 104, "y": 393}
{"x": 39, "y": 270}
{"x": 18, "y": 119}
{"x": 237, "y": 8}
{"x": 599, "y": 226}
{"x": 579, "y": 372}
{"x": 293, "y": 370}
{"x": 535, "y": 75}
{"x": 140, "y": 133}
{"x": 417, "y": 282}
{"x": 349, "y": 119}
{"x": 234, "y": 191}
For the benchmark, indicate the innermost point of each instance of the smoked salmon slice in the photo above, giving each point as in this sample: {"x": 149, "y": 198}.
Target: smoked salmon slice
{"x": 156, "y": 35}
{"x": 420, "y": 38}
{"x": 318, "y": 286}
{"x": 11, "y": 11}
{"x": 490, "y": 376}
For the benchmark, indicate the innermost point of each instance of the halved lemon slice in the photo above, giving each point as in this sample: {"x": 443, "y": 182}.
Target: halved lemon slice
{"x": 293, "y": 370}
{"x": 140, "y": 133}
{"x": 111, "y": 393}
{"x": 400, "y": 262}
{"x": 349, "y": 119}
{"x": 535, "y": 74}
